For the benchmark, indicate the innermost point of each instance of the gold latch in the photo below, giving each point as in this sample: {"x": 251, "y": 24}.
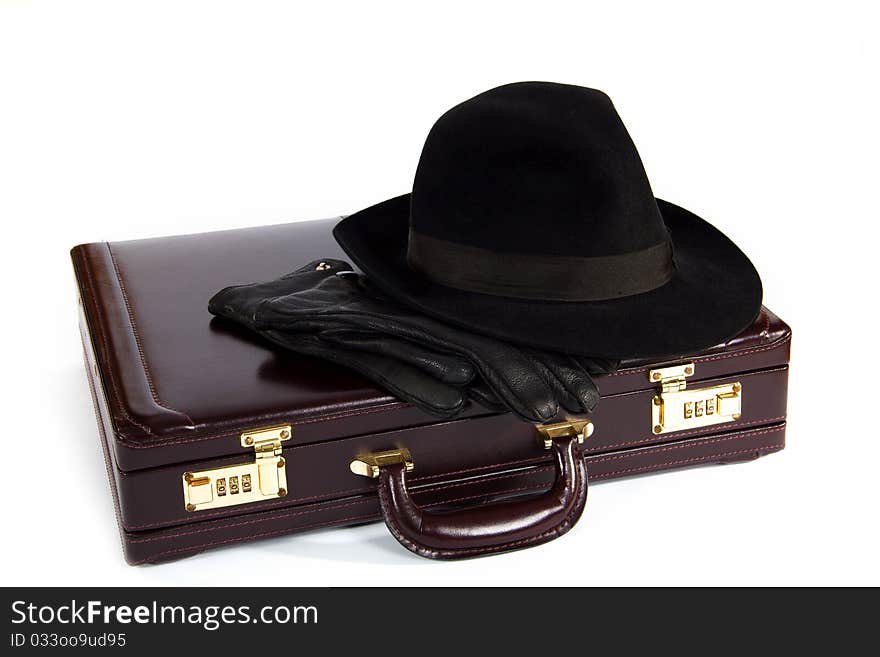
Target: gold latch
{"x": 675, "y": 407}
{"x": 581, "y": 429}
{"x": 264, "y": 477}
{"x": 367, "y": 465}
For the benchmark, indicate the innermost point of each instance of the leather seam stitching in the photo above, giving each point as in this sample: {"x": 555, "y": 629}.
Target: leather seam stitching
{"x": 377, "y": 409}
{"x": 105, "y": 448}
{"x": 351, "y": 491}
{"x": 565, "y": 525}
{"x": 133, "y": 444}
{"x": 372, "y": 516}
{"x": 209, "y": 544}
{"x": 706, "y": 359}
{"x": 595, "y": 458}
{"x": 695, "y": 459}
{"x": 555, "y": 532}
{"x": 691, "y": 432}
{"x": 396, "y": 404}
{"x": 560, "y": 529}
{"x": 302, "y": 512}
{"x": 699, "y": 443}
{"x": 593, "y": 451}
{"x": 251, "y": 521}
{"x": 105, "y": 349}
{"x": 137, "y": 339}
{"x": 279, "y": 532}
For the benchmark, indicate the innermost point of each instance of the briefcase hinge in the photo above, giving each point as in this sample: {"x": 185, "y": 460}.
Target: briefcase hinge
{"x": 672, "y": 378}
{"x": 263, "y": 478}
{"x": 675, "y": 407}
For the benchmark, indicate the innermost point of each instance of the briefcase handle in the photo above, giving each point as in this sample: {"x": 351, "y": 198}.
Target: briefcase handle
{"x": 488, "y": 528}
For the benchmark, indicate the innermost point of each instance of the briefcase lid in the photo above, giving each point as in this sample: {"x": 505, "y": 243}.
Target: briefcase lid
{"x": 180, "y": 385}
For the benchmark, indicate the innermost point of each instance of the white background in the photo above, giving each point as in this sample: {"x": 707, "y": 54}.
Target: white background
{"x": 122, "y": 120}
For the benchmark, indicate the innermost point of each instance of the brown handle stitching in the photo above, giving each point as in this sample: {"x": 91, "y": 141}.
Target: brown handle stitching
{"x": 572, "y": 469}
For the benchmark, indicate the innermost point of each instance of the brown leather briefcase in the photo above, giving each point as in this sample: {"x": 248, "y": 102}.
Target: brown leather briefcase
{"x": 212, "y": 437}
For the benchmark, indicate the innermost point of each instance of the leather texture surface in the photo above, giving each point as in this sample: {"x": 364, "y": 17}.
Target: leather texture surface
{"x": 488, "y": 528}
{"x": 181, "y": 387}
{"x": 173, "y": 391}
{"x": 318, "y": 472}
{"x": 153, "y": 542}
{"x": 375, "y": 336}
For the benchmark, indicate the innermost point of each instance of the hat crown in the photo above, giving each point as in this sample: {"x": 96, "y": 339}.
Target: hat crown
{"x": 535, "y": 168}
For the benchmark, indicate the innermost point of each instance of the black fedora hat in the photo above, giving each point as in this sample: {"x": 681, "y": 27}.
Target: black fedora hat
{"x": 532, "y": 220}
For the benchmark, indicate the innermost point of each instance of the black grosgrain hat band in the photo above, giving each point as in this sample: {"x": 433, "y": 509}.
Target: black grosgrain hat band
{"x": 531, "y": 219}
{"x": 547, "y": 277}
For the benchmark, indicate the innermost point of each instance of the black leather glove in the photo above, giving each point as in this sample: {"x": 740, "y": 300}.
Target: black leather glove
{"x": 407, "y": 371}
{"x": 344, "y": 316}
{"x": 405, "y": 381}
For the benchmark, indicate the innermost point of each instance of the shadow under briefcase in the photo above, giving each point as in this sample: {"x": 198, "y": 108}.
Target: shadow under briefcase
{"x": 212, "y": 437}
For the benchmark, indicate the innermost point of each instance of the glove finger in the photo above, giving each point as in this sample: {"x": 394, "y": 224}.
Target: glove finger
{"x": 345, "y": 301}
{"x": 573, "y": 386}
{"x": 512, "y": 376}
{"x": 515, "y": 381}
{"x": 482, "y": 394}
{"x": 402, "y": 380}
{"x": 240, "y": 302}
{"x": 445, "y": 367}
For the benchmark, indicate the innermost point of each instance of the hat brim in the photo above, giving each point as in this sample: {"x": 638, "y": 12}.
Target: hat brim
{"x": 715, "y": 293}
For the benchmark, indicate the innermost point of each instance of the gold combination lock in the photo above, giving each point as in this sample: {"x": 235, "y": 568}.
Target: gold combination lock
{"x": 263, "y": 478}
{"x": 676, "y": 407}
